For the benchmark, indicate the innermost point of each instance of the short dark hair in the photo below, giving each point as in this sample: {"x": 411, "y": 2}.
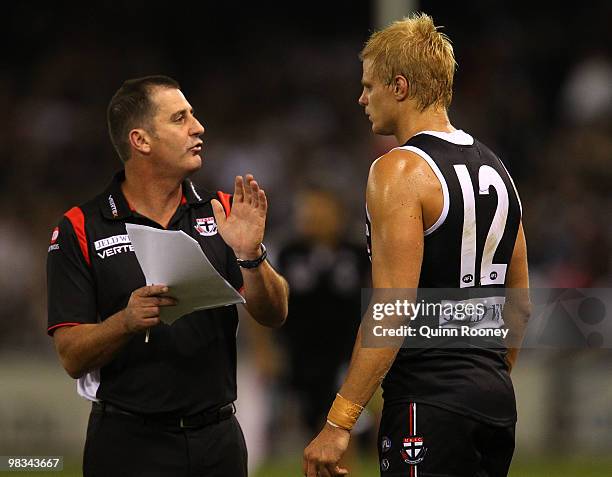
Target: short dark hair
{"x": 131, "y": 107}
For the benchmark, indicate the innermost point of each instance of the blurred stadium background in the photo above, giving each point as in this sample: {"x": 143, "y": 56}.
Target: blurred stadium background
{"x": 276, "y": 87}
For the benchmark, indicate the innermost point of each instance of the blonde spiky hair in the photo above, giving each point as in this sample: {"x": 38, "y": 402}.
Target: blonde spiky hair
{"x": 414, "y": 48}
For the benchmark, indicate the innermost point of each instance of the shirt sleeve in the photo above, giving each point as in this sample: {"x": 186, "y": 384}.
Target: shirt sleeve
{"x": 71, "y": 297}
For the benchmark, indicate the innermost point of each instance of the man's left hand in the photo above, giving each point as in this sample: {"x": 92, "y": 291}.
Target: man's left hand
{"x": 322, "y": 455}
{"x": 243, "y": 229}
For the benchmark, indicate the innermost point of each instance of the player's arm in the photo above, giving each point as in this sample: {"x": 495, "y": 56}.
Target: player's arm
{"x": 518, "y": 307}
{"x": 84, "y": 347}
{"x": 397, "y": 252}
{"x": 394, "y": 204}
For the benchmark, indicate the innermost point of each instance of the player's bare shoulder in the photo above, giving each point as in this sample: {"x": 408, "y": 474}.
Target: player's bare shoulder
{"x": 403, "y": 166}
{"x": 401, "y": 175}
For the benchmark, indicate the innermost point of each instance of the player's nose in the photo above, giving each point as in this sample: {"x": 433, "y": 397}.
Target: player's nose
{"x": 363, "y": 99}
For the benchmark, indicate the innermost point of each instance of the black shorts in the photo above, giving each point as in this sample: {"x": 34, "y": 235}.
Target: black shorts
{"x": 419, "y": 440}
{"x": 125, "y": 446}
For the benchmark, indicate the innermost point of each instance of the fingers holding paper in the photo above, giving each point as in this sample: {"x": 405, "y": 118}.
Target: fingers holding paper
{"x": 243, "y": 229}
{"x": 143, "y": 309}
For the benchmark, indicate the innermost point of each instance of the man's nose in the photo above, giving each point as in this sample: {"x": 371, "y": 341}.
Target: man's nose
{"x": 198, "y": 129}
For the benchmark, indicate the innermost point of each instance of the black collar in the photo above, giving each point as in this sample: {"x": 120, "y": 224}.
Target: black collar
{"x": 115, "y": 206}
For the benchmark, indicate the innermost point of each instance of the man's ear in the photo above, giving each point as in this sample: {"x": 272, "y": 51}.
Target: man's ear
{"x": 400, "y": 87}
{"x": 139, "y": 139}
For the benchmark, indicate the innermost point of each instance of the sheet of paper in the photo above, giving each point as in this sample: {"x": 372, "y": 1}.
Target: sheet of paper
{"x": 173, "y": 258}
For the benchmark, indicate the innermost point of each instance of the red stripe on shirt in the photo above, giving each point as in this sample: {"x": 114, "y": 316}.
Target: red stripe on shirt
{"x": 77, "y": 219}
{"x": 411, "y": 433}
{"x": 51, "y": 328}
{"x": 225, "y": 201}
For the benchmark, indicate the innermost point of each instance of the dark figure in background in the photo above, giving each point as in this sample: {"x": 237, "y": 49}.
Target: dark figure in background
{"x": 326, "y": 274}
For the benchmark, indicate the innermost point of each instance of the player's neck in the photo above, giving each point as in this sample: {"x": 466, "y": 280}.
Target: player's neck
{"x": 151, "y": 195}
{"x": 428, "y": 120}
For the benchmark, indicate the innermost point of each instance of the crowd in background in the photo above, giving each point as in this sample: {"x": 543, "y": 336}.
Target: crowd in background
{"x": 278, "y": 97}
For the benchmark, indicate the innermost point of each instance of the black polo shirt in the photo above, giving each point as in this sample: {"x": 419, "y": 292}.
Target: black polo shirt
{"x": 92, "y": 270}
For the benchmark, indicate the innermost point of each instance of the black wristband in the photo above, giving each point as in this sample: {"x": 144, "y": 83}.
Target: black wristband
{"x": 254, "y": 263}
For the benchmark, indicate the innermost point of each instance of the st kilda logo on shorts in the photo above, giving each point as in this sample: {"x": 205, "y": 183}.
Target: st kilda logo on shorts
{"x": 206, "y": 226}
{"x": 414, "y": 450}
{"x": 413, "y": 447}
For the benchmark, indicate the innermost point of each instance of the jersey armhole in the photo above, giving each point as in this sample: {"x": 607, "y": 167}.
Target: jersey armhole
{"x": 446, "y": 197}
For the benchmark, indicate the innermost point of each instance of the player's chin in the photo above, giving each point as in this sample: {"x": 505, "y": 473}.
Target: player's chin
{"x": 376, "y": 129}
{"x": 381, "y": 129}
{"x": 374, "y": 125}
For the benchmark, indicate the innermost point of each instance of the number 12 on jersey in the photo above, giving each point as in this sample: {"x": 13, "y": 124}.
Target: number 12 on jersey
{"x": 490, "y": 273}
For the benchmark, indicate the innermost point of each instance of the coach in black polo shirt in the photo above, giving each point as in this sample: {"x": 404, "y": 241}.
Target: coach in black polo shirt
{"x": 162, "y": 407}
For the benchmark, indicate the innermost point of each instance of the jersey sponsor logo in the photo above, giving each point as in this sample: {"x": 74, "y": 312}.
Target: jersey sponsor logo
{"x": 384, "y": 465}
{"x": 414, "y": 450}
{"x": 109, "y": 252}
{"x": 385, "y": 444}
{"x": 110, "y": 246}
{"x": 113, "y": 206}
{"x": 485, "y": 312}
{"x": 54, "y": 235}
{"x": 206, "y": 226}
{"x": 109, "y": 241}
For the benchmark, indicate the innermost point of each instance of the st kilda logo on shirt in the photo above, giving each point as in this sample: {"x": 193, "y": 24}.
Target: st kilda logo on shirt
{"x": 206, "y": 226}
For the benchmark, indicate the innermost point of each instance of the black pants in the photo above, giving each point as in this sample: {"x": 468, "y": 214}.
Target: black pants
{"x": 418, "y": 440}
{"x": 120, "y": 445}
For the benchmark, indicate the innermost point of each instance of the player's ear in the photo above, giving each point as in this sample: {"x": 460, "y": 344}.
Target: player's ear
{"x": 400, "y": 87}
{"x": 139, "y": 139}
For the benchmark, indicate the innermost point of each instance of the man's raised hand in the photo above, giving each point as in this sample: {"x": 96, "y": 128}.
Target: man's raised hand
{"x": 243, "y": 229}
